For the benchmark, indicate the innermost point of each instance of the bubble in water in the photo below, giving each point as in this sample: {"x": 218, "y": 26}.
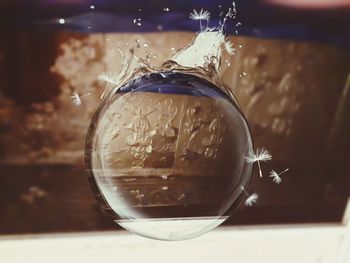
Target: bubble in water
{"x": 174, "y": 166}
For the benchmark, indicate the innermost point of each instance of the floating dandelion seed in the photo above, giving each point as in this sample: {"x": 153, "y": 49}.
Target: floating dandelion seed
{"x": 110, "y": 79}
{"x": 201, "y": 15}
{"x": 251, "y": 199}
{"x": 277, "y": 176}
{"x": 77, "y": 99}
{"x": 261, "y": 155}
{"x": 229, "y": 47}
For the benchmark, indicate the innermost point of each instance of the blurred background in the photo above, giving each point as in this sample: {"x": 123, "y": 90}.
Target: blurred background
{"x": 290, "y": 75}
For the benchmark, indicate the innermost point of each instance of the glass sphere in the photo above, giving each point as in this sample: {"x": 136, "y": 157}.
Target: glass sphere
{"x": 165, "y": 156}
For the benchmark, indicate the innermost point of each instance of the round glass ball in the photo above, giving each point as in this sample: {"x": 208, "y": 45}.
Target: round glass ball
{"x": 165, "y": 155}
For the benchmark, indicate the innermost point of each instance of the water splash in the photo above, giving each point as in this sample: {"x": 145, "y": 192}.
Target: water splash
{"x": 202, "y": 57}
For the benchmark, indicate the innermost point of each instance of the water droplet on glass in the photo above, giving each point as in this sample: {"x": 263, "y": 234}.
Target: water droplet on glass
{"x": 61, "y": 21}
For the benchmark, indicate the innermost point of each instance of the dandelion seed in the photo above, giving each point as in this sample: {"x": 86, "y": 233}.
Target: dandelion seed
{"x": 251, "y": 199}
{"x": 229, "y": 47}
{"x": 201, "y": 15}
{"x": 77, "y": 99}
{"x": 277, "y": 176}
{"x": 261, "y": 155}
{"x": 110, "y": 79}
